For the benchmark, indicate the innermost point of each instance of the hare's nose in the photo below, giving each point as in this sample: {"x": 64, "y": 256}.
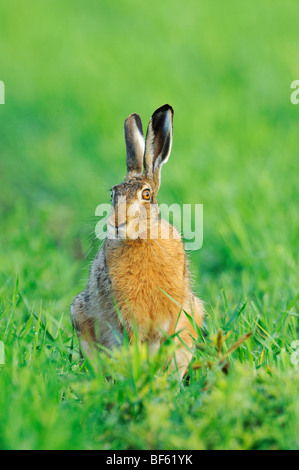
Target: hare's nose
{"x": 120, "y": 216}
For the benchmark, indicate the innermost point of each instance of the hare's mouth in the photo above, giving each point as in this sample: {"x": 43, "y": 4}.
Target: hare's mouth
{"x": 117, "y": 231}
{"x": 119, "y": 226}
{"x": 123, "y": 231}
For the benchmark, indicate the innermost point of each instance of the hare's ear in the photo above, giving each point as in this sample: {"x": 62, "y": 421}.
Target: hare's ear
{"x": 134, "y": 144}
{"x": 158, "y": 142}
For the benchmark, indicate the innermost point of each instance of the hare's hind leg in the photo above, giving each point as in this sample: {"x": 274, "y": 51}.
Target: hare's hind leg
{"x": 83, "y": 324}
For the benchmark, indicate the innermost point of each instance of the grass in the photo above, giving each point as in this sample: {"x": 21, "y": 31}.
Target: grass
{"x": 72, "y": 75}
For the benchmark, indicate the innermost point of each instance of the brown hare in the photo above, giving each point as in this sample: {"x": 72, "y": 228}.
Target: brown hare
{"x": 141, "y": 266}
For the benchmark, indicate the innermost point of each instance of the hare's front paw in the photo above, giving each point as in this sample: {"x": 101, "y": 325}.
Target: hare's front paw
{"x": 83, "y": 324}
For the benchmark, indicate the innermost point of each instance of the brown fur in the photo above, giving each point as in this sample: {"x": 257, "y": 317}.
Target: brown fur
{"x": 138, "y": 270}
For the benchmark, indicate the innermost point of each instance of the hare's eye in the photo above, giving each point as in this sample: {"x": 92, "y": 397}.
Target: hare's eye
{"x": 146, "y": 194}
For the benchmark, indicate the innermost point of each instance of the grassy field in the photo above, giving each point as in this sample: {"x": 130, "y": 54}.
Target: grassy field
{"x": 72, "y": 74}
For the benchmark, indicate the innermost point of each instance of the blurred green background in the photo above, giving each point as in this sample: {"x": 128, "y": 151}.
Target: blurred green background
{"x": 74, "y": 71}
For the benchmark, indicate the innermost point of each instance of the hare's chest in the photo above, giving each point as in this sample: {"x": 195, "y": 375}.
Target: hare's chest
{"x": 147, "y": 286}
